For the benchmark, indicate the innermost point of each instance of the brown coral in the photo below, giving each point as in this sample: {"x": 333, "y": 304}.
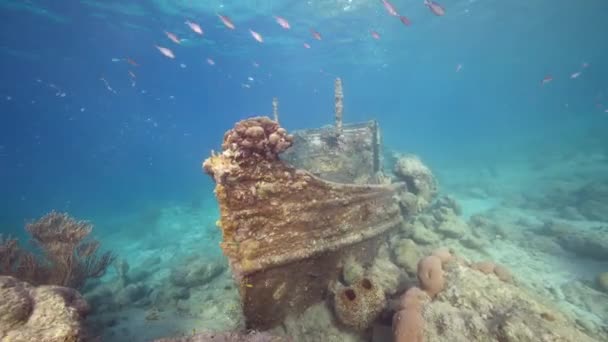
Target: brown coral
{"x": 260, "y": 136}
{"x": 358, "y": 306}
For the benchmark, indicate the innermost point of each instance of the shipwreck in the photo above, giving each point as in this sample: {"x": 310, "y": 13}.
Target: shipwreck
{"x": 293, "y": 207}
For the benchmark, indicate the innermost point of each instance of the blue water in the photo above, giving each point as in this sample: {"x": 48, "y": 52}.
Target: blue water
{"x": 69, "y": 143}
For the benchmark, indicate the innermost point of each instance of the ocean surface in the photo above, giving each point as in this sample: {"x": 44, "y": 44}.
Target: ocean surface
{"x": 108, "y": 109}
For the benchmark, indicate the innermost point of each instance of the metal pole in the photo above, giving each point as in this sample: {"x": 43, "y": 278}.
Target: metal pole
{"x": 275, "y": 109}
{"x": 339, "y": 96}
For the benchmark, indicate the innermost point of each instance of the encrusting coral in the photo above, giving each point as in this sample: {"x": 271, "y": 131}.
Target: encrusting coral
{"x": 69, "y": 258}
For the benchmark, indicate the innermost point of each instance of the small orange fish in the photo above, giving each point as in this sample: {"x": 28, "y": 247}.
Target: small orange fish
{"x": 132, "y": 74}
{"x": 173, "y": 37}
{"x": 306, "y": 46}
{"x": 226, "y": 20}
{"x": 256, "y": 36}
{"x": 316, "y": 35}
{"x": 375, "y": 35}
{"x": 165, "y": 51}
{"x": 405, "y": 20}
{"x": 210, "y": 61}
{"x": 576, "y": 74}
{"x": 547, "y": 79}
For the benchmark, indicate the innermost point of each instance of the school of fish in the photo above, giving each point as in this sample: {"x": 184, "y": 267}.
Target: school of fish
{"x": 435, "y": 8}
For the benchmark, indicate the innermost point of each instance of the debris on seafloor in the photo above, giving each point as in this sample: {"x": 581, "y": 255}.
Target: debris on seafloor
{"x": 281, "y": 223}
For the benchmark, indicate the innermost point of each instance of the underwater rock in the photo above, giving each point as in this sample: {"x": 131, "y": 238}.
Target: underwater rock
{"x": 285, "y": 231}
{"x": 454, "y": 229}
{"x": 407, "y": 255}
{"x": 131, "y": 293}
{"x": 449, "y": 224}
{"x": 448, "y": 202}
{"x": 196, "y": 272}
{"x": 227, "y": 337}
{"x": 144, "y": 270}
{"x": 384, "y": 273}
{"x": 43, "y": 313}
{"x": 602, "y": 281}
{"x": 473, "y": 242}
{"x": 593, "y": 304}
{"x": 591, "y": 243}
{"x": 418, "y": 232}
{"x": 101, "y": 299}
{"x": 357, "y": 306}
{"x": 489, "y": 267}
{"x": 592, "y": 200}
{"x": 315, "y": 324}
{"x": 352, "y": 271}
{"x": 418, "y": 177}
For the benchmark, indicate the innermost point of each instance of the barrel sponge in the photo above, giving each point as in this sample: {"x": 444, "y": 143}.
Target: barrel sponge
{"x": 358, "y": 305}
{"x": 430, "y": 275}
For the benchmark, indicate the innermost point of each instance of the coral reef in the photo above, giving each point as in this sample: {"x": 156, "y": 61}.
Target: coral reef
{"x": 358, "y": 305}
{"x": 474, "y": 308}
{"x": 44, "y": 313}
{"x": 467, "y": 307}
{"x": 69, "y": 257}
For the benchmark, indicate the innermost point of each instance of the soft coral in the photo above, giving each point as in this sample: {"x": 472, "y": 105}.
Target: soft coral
{"x": 69, "y": 260}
